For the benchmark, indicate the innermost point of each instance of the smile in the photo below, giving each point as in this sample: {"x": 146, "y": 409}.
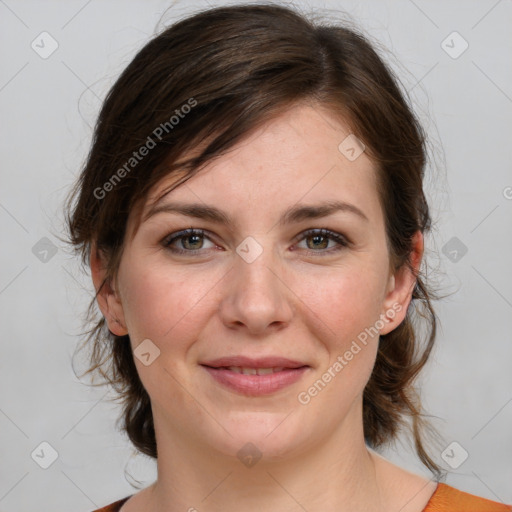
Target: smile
{"x": 255, "y": 381}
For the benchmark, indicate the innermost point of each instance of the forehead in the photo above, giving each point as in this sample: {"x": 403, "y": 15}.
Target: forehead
{"x": 299, "y": 156}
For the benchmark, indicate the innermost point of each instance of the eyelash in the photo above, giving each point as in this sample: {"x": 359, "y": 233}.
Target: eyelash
{"x": 331, "y": 235}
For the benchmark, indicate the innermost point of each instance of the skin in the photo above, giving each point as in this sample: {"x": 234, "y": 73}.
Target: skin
{"x": 299, "y": 299}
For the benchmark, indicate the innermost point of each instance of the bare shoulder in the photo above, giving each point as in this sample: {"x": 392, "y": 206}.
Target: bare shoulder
{"x": 404, "y": 490}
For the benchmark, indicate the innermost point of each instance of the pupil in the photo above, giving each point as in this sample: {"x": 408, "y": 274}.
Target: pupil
{"x": 190, "y": 237}
{"x": 316, "y": 238}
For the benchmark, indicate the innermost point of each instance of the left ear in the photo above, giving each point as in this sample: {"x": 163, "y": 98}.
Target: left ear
{"x": 400, "y": 288}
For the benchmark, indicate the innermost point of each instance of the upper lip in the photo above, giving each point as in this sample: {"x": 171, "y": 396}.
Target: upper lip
{"x": 248, "y": 362}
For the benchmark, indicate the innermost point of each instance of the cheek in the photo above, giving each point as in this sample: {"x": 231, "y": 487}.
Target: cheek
{"x": 167, "y": 308}
{"x": 162, "y": 305}
{"x": 346, "y": 303}
{"x": 348, "y": 310}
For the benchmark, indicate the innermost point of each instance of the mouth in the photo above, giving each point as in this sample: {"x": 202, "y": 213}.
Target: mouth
{"x": 253, "y": 371}
{"x": 255, "y": 377}
{"x": 254, "y": 363}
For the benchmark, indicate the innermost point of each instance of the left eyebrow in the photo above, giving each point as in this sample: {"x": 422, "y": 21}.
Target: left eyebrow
{"x": 305, "y": 212}
{"x": 293, "y": 214}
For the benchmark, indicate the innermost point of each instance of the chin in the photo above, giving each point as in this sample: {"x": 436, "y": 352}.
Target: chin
{"x": 260, "y": 434}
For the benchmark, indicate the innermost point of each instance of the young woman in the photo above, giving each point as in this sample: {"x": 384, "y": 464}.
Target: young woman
{"x": 253, "y": 214}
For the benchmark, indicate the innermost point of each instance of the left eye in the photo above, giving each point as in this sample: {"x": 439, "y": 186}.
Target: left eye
{"x": 192, "y": 241}
{"x": 320, "y": 239}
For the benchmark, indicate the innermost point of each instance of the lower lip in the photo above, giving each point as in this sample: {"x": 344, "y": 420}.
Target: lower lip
{"x": 256, "y": 385}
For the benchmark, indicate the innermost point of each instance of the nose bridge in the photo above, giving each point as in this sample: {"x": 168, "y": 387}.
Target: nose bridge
{"x": 256, "y": 266}
{"x": 257, "y": 297}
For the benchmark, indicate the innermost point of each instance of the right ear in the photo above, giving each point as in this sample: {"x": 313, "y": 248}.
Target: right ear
{"x": 108, "y": 299}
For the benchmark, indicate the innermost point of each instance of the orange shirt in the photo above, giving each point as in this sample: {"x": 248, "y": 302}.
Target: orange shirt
{"x": 444, "y": 499}
{"x": 449, "y": 499}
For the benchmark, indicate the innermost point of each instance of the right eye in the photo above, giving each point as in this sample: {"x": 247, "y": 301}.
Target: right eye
{"x": 190, "y": 241}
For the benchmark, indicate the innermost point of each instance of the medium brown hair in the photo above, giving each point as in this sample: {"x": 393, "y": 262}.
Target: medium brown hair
{"x": 236, "y": 68}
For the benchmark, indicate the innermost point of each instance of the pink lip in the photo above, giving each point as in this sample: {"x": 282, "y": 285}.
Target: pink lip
{"x": 247, "y": 362}
{"x": 255, "y": 385}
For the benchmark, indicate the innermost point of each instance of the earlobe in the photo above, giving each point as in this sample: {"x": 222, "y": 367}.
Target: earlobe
{"x": 400, "y": 288}
{"x": 108, "y": 299}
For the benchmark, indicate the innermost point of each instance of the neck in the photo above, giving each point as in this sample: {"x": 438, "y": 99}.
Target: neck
{"x": 337, "y": 474}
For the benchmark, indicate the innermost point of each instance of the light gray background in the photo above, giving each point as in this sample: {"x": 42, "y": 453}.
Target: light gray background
{"x": 48, "y": 107}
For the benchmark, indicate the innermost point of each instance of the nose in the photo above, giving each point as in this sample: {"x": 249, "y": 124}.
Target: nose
{"x": 256, "y": 297}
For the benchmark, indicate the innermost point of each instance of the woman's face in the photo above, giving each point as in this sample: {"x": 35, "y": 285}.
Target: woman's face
{"x": 268, "y": 284}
